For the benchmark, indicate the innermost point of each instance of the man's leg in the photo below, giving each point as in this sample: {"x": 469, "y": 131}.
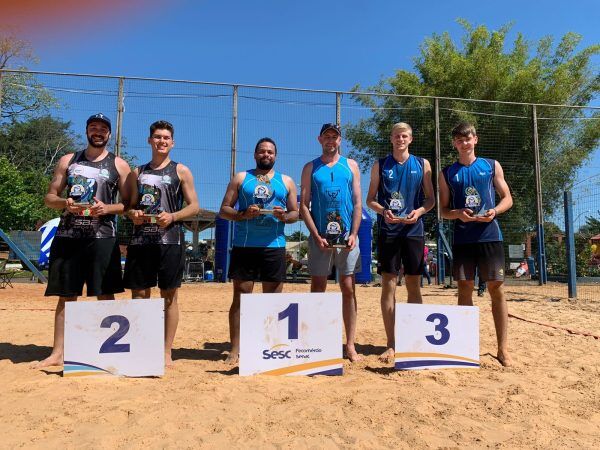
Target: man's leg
{"x": 318, "y": 283}
{"x": 239, "y": 287}
{"x": 413, "y": 289}
{"x": 171, "y": 321}
{"x": 388, "y": 309}
{"x": 500, "y": 313}
{"x": 56, "y": 358}
{"x": 272, "y": 287}
{"x": 465, "y": 292}
{"x": 141, "y": 293}
{"x": 349, "y": 313}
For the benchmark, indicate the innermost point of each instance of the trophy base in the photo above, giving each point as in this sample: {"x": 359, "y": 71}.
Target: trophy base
{"x": 479, "y": 214}
{"x": 86, "y": 204}
{"x": 338, "y": 246}
{"x": 150, "y": 218}
{"x": 265, "y": 211}
{"x": 400, "y": 216}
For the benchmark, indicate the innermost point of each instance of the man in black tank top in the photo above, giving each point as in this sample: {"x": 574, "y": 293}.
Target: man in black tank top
{"x": 85, "y": 248}
{"x": 156, "y": 251}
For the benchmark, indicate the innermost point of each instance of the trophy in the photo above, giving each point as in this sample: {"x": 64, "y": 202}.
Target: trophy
{"x": 82, "y": 192}
{"x": 150, "y": 202}
{"x": 263, "y": 194}
{"x": 473, "y": 202}
{"x": 397, "y": 206}
{"x": 334, "y": 232}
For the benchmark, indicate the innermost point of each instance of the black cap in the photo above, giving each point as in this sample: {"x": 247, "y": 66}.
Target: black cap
{"x": 330, "y": 126}
{"x": 99, "y": 118}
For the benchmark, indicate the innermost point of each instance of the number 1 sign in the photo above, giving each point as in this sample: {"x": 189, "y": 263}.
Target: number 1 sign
{"x": 291, "y": 334}
{"x": 436, "y": 336}
{"x": 115, "y": 337}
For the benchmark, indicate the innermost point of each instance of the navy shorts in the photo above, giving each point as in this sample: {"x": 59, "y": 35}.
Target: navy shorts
{"x": 400, "y": 251}
{"x": 151, "y": 264}
{"x": 257, "y": 264}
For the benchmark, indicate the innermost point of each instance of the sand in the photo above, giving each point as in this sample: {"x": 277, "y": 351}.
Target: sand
{"x": 549, "y": 399}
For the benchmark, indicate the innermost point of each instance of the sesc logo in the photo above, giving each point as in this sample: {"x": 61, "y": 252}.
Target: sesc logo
{"x": 277, "y": 352}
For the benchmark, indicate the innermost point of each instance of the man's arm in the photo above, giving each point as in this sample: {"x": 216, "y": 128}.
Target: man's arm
{"x": 305, "y": 192}
{"x": 429, "y": 201}
{"x": 100, "y": 208}
{"x": 291, "y": 215}
{"x": 463, "y": 214}
{"x": 503, "y": 191}
{"x": 227, "y": 210}
{"x": 58, "y": 183}
{"x": 164, "y": 219}
{"x": 372, "y": 202}
{"x": 357, "y": 203}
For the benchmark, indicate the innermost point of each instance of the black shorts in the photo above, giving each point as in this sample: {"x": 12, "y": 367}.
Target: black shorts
{"x": 487, "y": 257}
{"x": 147, "y": 264}
{"x": 400, "y": 251}
{"x": 257, "y": 264}
{"x": 95, "y": 262}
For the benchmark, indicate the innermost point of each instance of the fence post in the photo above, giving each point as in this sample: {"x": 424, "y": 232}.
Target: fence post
{"x": 234, "y": 125}
{"x": 541, "y": 253}
{"x": 440, "y": 273}
{"x": 120, "y": 109}
{"x": 570, "y": 241}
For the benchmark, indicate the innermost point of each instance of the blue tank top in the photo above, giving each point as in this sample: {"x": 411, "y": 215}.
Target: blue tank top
{"x": 473, "y": 187}
{"x": 264, "y": 230}
{"x": 331, "y": 197}
{"x": 401, "y": 185}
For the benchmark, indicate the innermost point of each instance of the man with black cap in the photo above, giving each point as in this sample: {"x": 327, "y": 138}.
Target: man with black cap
{"x": 331, "y": 208}
{"x": 85, "y": 248}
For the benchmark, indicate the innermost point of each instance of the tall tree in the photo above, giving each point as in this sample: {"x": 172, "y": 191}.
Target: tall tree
{"x": 37, "y": 144}
{"x": 481, "y": 67}
{"x": 21, "y": 96}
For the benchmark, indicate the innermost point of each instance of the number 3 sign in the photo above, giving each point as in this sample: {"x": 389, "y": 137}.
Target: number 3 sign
{"x": 114, "y": 337}
{"x": 436, "y": 336}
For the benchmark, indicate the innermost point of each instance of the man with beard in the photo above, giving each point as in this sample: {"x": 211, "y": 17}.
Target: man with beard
{"x": 156, "y": 252}
{"x": 266, "y": 202}
{"x": 85, "y": 248}
{"x": 331, "y": 208}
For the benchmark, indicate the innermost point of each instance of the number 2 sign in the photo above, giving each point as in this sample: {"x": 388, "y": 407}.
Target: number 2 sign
{"x": 114, "y": 337}
{"x": 436, "y": 336}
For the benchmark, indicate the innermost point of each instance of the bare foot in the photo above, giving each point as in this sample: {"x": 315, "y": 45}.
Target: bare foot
{"x": 388, "y": 356}
{"x": 351, "y": 354}
{"x": 169, "y": 361}
{"x": 232, "y": 358}
{"x": 504, "y": 358}
{"x": 52, "y": 360}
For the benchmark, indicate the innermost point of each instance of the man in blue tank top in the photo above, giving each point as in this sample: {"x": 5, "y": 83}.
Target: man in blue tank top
{"x": 85, "y": 249}
{"x": 331, "y": 209}
{"x": 156, "y": 251}
{"x": 266, "y": 200}
{"x": 468, "y": 195}
{"x": 400, "y": 192}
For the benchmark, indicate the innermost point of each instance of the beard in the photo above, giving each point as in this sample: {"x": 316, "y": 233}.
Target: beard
{"x": 97, "y": 144}
{"x": 265, "y": 165}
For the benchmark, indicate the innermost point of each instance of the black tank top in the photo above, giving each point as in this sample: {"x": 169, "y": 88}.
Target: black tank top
{"x": 158, "y": 190}
{"x": 86, "y": 180}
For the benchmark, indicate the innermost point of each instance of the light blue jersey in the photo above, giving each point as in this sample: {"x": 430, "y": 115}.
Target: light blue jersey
{"x": 264, "y": 230}
{"x": 331, "y": 197}
{"x": 473, "y": 187}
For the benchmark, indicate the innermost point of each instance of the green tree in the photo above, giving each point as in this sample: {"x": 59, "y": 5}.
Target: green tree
{"x": 296, "y": 236}
{"x": 482, "y": 67}
{"x": 37, "y": 144}
{"x": 21, "y": 95}
{"x": 21, "y": 198}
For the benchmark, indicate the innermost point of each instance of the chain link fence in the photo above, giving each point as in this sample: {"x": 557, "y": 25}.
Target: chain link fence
{"x": 217, "y": 126}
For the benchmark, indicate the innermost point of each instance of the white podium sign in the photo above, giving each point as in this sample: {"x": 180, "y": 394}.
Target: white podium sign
{"x": 291, "y": 334}
{"x": 436, "y": 337}
{"x": 115, "y": 337}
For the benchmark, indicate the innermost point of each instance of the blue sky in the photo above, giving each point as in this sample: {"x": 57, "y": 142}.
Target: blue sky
{"x": 331, "y": 45}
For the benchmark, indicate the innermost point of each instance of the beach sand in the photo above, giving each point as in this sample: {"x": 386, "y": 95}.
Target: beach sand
{"x": 549, "y": 399}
